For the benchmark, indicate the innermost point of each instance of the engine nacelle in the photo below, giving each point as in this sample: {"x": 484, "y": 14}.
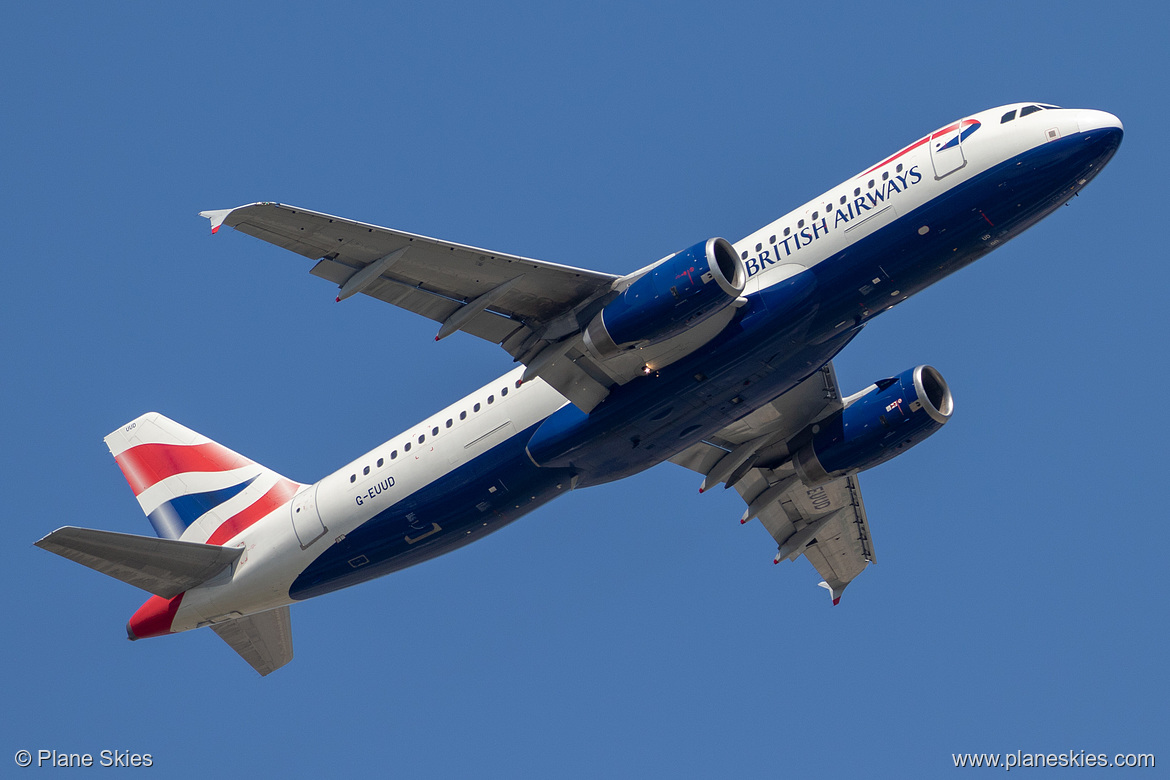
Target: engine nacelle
{"x": 677, "y": 294}
{"x": 889, "y": 419}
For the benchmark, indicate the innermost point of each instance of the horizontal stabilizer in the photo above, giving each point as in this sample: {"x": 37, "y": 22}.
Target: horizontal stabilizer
{"x": 164, "y": 567}
{"x": 263, "y": 640}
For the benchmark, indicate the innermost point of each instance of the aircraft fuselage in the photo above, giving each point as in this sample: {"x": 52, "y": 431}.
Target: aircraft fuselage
{"x": 816, "y": 276}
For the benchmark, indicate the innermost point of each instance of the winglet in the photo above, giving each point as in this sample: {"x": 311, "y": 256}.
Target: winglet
{"x": 834, "y": 590}
{"x": 217, "y": 217}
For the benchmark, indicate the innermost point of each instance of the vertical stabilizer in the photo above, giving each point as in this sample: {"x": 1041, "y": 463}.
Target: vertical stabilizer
{"x": 190, "y": 487}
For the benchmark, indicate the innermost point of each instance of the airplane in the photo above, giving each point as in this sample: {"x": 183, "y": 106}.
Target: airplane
{"x": 717, "y": 358}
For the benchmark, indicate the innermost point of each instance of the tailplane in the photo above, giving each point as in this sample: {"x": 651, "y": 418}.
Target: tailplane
{"x": 190, "y": 487}
{"x": 264, "y": 640}
{"x": 164, "y": 567}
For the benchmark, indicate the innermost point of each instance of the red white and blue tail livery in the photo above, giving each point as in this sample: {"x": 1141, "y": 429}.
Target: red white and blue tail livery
{"x": 717, "y": 358}
{"x": 190, "y": 487}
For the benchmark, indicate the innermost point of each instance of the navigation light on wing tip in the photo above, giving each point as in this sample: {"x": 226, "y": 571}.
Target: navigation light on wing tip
{"x": 834, "y": 593}
{"x": 216, "y": 217}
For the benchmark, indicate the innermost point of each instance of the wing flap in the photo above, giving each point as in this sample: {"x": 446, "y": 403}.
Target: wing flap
{"x": 825, "y": 523}
{"x": 164, "y": 567}
{"x": 264, "y": 640}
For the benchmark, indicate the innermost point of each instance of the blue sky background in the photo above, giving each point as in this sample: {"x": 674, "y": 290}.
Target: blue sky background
{"x": 1019, "y": 602}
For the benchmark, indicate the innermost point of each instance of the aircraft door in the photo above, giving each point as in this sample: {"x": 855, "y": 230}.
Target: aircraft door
{"x": 306, "y": 519}
{"x": 946, "y": 150}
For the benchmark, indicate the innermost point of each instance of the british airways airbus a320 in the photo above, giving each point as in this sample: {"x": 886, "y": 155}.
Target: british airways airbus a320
{"x": 716, "y": 358}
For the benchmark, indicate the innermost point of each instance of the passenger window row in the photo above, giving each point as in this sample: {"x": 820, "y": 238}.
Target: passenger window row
{"x": 828, "y": 210}
{"x": 422, "y": 437}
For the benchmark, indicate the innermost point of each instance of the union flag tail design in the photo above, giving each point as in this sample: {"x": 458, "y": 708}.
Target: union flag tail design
{"x": 190, "y": 487}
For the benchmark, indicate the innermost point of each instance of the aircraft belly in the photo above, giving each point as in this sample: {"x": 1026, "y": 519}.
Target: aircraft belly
{"x": 463, "y": 505}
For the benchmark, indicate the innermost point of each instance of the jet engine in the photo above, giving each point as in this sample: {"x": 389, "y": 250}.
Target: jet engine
{"x": 676, "y": 294}
{"x": 887, "y": 419}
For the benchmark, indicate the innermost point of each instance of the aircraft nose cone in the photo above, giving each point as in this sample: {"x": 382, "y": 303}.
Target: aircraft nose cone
{"x": 1090, "y": 120}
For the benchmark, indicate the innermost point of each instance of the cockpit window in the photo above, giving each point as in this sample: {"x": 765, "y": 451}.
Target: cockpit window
{"x": 1009, "y": 116}
{"x": 1028, "y": 110}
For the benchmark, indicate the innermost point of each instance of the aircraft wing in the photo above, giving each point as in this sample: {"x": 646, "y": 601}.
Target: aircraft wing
{"x": 826, "y": 523}
{"x": 524, "y": 305}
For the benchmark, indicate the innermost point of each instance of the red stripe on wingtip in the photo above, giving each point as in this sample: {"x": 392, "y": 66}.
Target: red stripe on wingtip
{"x": 836, "y": 601}
{"x": 215, "y": 229}
{"x": 149, "y": 464}
{"x": 276, "y": 497}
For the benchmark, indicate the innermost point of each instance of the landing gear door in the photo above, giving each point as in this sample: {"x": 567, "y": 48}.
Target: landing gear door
{"x": 305, "y": 518}
{"x": 946, "y": 150}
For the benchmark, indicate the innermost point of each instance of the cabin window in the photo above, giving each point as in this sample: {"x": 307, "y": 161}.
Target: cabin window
{"x": 504, "y": 390}
{"x": 787, "y": 231}
{"x": 1028, "y": 110}
{"x": 491, "y": 399}
{"x": 353, "y": 477}
{"x": 406, "y": 447}
{"x": 1009, "y": 116}
{"x": 759, "y": 247}
{"x": 393, "y": 454}
{"x": 898, "y": 169}
{"x": 365, "y": 471}
{"x": 518, "y": 383}
{"x": 449, "y": 422}
{"x": 815, "y": 215}
{"x": 743, "y": 255}
{"x": 435, "y": 431}
{"x": 381, "y": 462}
{"x": 422, "y": 437}
{"x": 800, "y": 224}
{"x": 475, "y": 408}
{"x": 871, "y": 184}
{"x": 771, "y": 239}
{"x": 844, "y": 198}
{"x": 463, "y": 415}
{"x": 857, "y": 192}
{"x": 885, "y": 175}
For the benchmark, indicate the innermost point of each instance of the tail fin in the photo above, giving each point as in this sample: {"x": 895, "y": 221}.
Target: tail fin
{"x": 190, "y": 487}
